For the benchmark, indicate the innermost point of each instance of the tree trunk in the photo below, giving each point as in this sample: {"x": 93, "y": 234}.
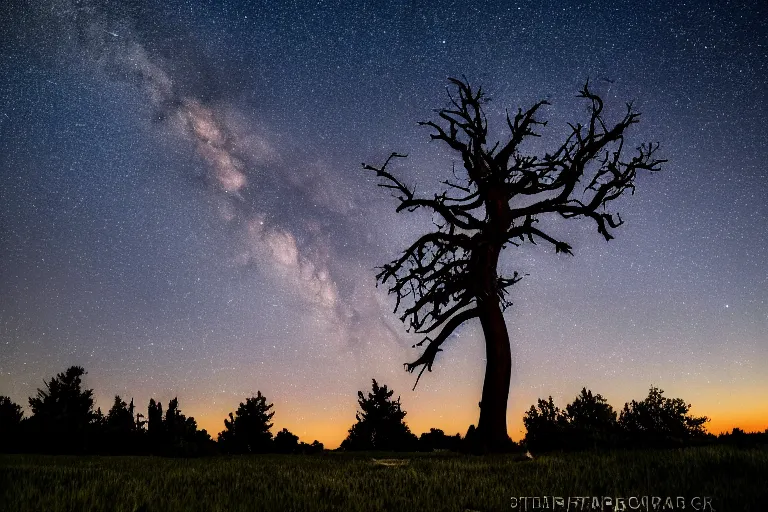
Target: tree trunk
{"x": 492, "y": 428}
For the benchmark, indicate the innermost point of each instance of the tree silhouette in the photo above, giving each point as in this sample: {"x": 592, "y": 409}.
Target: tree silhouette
{"x": 449, "y": 276}
{"x": 175, "y": 423}
{"x": 11, "y": 417}
{"x": 121, "y": 431}
{"x": 286, "y": 442}
{"x": 436, "y": 439}
{"x": 545, "y": 426}
{"x": 248, "y": 430}
{"x": 10, "y": 413}
{"x": 62, "y": 413}
{"x": 659, "y": 420}
{"x": 311, "y": 449}
{"x": 470, "y": 441}
{"x": 120, "y": 416}
{"x": 180, "y": 436}
{"x": 591, "y": 421}
{"x": 155, "y": 427}
{"x": 379, "y": 424}
{"x": 742, "y": 439}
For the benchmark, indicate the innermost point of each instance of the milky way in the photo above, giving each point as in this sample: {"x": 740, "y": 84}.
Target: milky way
{"x": 183, "y": 210}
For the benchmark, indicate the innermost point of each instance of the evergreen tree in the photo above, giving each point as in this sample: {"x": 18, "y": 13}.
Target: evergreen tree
{"x": 470, "y": 441}
{"x": 121, "y": 434}
{"x": 120, "y": 417}
{"x": 175, "y": 422}
{"x": 11, "y": 417}
{"x": 248, "y": 430}
{"x": 380, "y": 424}
{"x": 62, "y": 413}
{"x": 155, "y": 426}
{"x": 179, "y": 434}
{"x": 154, "y": 418}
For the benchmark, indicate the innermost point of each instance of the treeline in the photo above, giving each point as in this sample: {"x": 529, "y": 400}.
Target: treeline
{"x": 64, "y": 420}
{"x": 590, "y": 422}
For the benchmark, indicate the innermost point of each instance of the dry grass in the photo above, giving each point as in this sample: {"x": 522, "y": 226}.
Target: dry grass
{"x": 735, "y": 479}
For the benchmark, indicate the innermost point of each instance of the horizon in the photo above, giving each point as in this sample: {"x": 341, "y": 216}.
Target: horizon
{"x": 334, "y": 438}
{"x": 183, "y": 211}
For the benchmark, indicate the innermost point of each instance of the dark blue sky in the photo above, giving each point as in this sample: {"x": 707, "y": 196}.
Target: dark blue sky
{"x": 183, "y": 210}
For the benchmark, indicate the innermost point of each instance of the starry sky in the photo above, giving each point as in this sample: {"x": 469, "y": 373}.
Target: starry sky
{"x": 183, "y": 211}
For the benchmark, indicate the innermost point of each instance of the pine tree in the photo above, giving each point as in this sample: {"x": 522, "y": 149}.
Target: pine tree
{"x": 248, "y": 430}
{"x": 121, "y": 434}
{"x": 120, "y": 417}
{"x": 62, "y": 413}
{"x": 380, "y": 424}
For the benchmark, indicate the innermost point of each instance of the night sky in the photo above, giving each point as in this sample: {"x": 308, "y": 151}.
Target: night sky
{"x": 183, "y": 211}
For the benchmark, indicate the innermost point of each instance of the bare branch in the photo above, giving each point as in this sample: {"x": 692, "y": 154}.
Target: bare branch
{"x": 435, "y": 280}
{"x": 427, "y": 359}
{"x": 457, "y": 215}
{"x": 522, "y": 127}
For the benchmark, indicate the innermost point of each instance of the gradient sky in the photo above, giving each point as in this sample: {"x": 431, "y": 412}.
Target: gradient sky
{"x": 183, "y": 211}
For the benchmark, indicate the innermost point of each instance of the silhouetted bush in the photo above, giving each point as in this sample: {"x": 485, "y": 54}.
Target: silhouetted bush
{"x": 286, "y": 442}
{"x": 248, "y": 430}
{"x": 658, "y": 421}
{"x": 380, "y": 424}
{"x": 436, "y": 440}
{"x": 737, "y": 437}
{"x": 311, "y": 449}
{"x": 589, "y": 422}
{"x": 545, "y": 426}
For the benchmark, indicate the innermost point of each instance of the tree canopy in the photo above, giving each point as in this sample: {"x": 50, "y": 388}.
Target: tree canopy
{"x": 590, "y": 422}
{"x": 63, "y": 401}
{"x": 660, "y": 417}
{"x": 248, "y": 430}
{"x": 380, "y": 424}
{"x": 63, "y": 413}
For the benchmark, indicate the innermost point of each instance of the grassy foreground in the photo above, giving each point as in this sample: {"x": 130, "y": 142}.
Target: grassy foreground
{"x": 734, "y": 479}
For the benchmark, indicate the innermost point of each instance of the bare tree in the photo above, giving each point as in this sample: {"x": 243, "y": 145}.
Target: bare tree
{"x": 449, "y": 276}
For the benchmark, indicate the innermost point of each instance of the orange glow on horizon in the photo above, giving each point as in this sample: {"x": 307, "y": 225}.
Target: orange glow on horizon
{"x": 331, "y": 434}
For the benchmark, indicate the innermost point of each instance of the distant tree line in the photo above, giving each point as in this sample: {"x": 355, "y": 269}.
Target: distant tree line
{"x": 64, "y": 420}
{"x": 589, "y": 422}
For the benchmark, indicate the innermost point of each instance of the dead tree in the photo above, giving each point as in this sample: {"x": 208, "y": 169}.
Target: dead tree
{"x": 449, "y": 276}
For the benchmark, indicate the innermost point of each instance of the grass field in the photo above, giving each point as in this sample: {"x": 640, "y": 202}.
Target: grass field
{"x": 735, "y": 479}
